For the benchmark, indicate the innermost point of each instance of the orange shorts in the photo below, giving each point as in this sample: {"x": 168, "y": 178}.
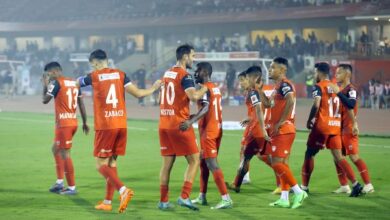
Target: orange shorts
{"x": 350, "y": 144}
{"x": 110, "y": 142}
{"x": 252, "y": 145}
{"x": 318, "y": 140}
{"x": 63, "y": 137}
{"x": 209, "y": 146}
{"x": 174, "y": 142}
{"x": 281, "y": 144}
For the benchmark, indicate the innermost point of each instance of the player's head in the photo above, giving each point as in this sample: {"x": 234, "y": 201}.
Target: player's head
{"x": 321, "y": 71}
{"x": 278, "y": 68}
{"x": 203, "y": 72}
{"x": 243, "y": 80}
{"x": 253, "y": 74}
{"x": 98, "y": 59}
{"x": 343, "y": 73}
{"x": 185, "y": 54}
{"x": 53, "y": 69}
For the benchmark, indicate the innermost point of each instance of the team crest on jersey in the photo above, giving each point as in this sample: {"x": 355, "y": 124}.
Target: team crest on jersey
{"x": 216, "y": 91}
{"x": 285, "y": 88}
{"x": 108, "y": 76}
{"x": 50, "y": 88}
{"x": 254, "y": 99}
{"x": 352, "y": 94}
{"x": 70, "y": 83}
{"x": 170, "y": 74}
{"x": 273, "y": 148}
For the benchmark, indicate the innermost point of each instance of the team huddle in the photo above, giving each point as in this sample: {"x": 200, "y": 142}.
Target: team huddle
{"x": 269, "y": 128}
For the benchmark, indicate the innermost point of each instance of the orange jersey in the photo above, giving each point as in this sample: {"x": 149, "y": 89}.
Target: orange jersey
{"x": 346, "y": 123}
{"x": 108, "y": 97}
{"x": 252, "y": 100}
{"x": 65, "y": 95}
{"x": 282, "y": 89}
{"x": 174, "y": 103}
{"x": 212, "y": 121}
{"x": 268, "y": 91}
{"x": 328, "y": 118}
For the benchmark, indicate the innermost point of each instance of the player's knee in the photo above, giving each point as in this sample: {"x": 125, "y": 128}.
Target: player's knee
{"x": 310, "y": 152}
{"x": 354, "y": 157}
{"x": 212, "y": 164}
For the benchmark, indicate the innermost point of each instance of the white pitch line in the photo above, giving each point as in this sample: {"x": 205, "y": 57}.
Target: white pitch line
{"x": 146, "y": 129}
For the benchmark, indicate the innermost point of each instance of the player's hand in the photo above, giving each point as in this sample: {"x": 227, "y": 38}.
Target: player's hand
{"x": 85, "y": 129}
{"x": 45, "y": 79}
{"x": 184, "y": 125}
{"x": 244, "y": 122}
{"x": 266, "y": 137}
{"x": 309, "y": 124}
{"x": 355, "y": 129}
{"x": 334, "y": 87}
{"x": 277, "y": 127}
{"x": 157, "y": 84}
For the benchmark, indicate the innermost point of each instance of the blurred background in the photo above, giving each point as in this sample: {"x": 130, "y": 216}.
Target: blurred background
{"x": 140, "y": 37}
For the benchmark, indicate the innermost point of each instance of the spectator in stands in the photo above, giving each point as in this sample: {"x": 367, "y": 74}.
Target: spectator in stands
{"x": 230, "y": 79}
{"x": 309, "y": 84}
{"x": 387, "y": 94}
{"x": 365, "y": 95}
{"x": 8, "y": 83}
{"x": 379, "y": 92}
{"x": 140, "y": 76}
{"x": 371, "y": 87}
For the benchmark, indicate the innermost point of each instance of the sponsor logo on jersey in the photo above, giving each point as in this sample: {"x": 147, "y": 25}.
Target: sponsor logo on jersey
{"x": 170, "y": 75}
{"x": 273, "y": 148}
{"x": 213, "y": 151}
{"x": 254, "y": 99}
{"x": 163, "y": 148}
{"x": 334, "y": 123}
{"x": 50, "y": 88}
{"x": 216, "y": 91}
{"x": 108, "y": 76}
{"x": 285, "y": 151}
{"x": 268, "y": 93}
{"x": 352, "y": 94}
{"x": 286, "y": 89}
{"x": 113, "y": 113}
{"x": 69, "y": 83}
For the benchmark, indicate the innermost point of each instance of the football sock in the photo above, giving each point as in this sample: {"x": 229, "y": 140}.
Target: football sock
{"x": 110, "y": 189}
{"x": 122, "y": 189}
{"x": 241, "y": 173}
{"x": 59, "y": 166}
{"x": 264, "y": 158}
{"x": 226, "y": 197}
{"x": 72, "y": 187}
{"x": 341, "y": 175}
{"x": 362, "y": 167}
{"x": 59, "y": 181}
{"x": 296, "y": 189}
{"x": 307, "y": 169}
{"x": 69, "y": 171}
{"x": 284, "y": 173}
{"x": 186, "y": 190}
{"x": 284, "y": 195}
{"x": 110, "y": 176}
{"x": 347, "y": 169}
{"x": 107, "y": 202}
{"x": 164, "y": 193}
{"x": 204, "y": 176}
{"x": 220, "y": 181}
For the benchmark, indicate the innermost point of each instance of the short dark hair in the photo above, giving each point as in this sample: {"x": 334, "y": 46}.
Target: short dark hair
{"x": 254, "y": 71}
{"x": 323, "y": 67}
{"x": 98, "y": 54}
{"x": 52, "y": 65}
{"x": 182, "y": 50}
{"x": 205, "y": 66}
{"x": 281, "y": 60}
{"x": 346, "y": 67}
{"x": 242, "y": 74}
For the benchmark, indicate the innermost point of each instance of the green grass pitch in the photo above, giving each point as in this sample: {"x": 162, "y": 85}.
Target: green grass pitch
{"x": 27, "y": 171}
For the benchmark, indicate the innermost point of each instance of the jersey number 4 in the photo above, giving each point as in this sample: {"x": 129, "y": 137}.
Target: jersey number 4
{"x": 72, "y": 97}
{"x": 111, "y": 96}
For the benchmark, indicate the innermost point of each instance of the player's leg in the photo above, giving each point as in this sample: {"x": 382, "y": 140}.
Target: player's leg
{"x": 189, "y": 175}
{"x": 204, "y": 179}
{"x": 65, "y": 147}
{"x": 165, "y": 172}
{"x": 343, "y": 180}
{"x": 335, "y": 145}
{"x": 241, "y": 172}
{"x": 106, "y": 204}
{"x": 219, "y": 180}
{"x": 363, "y": 170}
{"x": 314, "y": 144}
{"x": 265, "y": 156}
{"x": 59, "y": 162}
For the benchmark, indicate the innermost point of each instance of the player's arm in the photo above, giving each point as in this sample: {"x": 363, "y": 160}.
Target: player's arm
{"x": 50, "y": 89}
{"x": 205, "y": 102}
{"x": 350, "y": 102}
{"x": 315, "y": 107}
{"x": 83, "y": 112}
{"x": 260, "y": 117}
{"x": 137, "y": 92}
{"x": 266, "y": 101}
{"x": 286, "y": 111}
{"x": 189, "y": 88}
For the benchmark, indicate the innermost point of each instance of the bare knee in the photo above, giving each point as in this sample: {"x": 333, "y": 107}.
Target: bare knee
{"x": 354, "y": 157}
{"x": 101, "y": 161}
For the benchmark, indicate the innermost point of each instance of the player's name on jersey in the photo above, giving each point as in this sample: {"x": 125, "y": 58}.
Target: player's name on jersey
{"x": 113, "y": 113}
{"x": 216, "y": 91}
{"x": 167, "y": 112}
{"x": 334, "y": 123}
{"x": 108, "y": 76}
{"x": 67, "y": 115}
{"x": 69, "y": 83}
{"x": 330, "y": 90}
